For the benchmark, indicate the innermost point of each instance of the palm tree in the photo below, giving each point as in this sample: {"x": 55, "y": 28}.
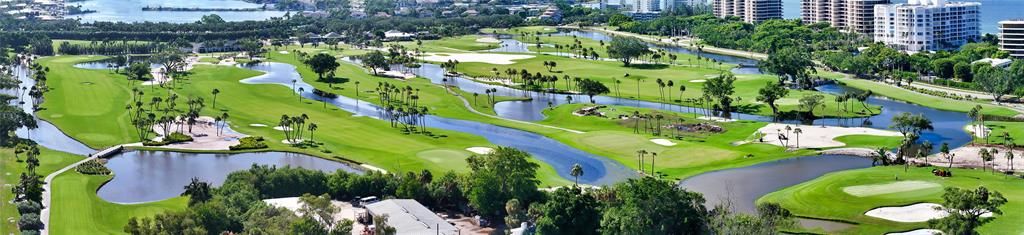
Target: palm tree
{"x": 1009, "y": 158}
{"x": 985, "y": 155}
{"x": 293, "y": 83}
{"x": 670, "y": 84}
{"x": 788, "y": 129}
{"x": 215, "y": 92}
{"x": 653, "y": 155}
{"x": 576, "y": 172}
{"x": 357, "y": 89}
{"x": 312, "y": 127}
{"x": 640, "y": 156}
{"x": 300, "y": 93}
{"x": 880, "y": 156}
{"x": 797, "y": 131}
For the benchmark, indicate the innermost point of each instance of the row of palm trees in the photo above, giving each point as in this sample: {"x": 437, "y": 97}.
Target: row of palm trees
{"x": 294, "y": 128}
{"x": 401, "y": 107}
{"x": 641, "y": 156}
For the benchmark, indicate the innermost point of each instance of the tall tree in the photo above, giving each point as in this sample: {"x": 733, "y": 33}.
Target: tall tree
{"x": 626, "y": 49}
{"x": 651, "y": 206}
{"x": 770, "y": 93}
{"x": 592, "y": 88}
{"x": 376, "y": 61}
{"x": 791, "y": 63}
{"x": 965, "y": 209}
{"x": 569, "y": 211}
{"x": 500, "y": 176}
{"x": 323, "y": 64}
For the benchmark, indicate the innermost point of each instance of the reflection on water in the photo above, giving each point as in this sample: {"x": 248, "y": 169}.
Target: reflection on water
{"x": 743, "y": 186}
{"x": 144, "y": 176}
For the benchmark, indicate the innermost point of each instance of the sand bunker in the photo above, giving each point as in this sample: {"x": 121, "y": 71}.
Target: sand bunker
{"x": 979, "y": 130}
{"x": 894, "y": 187}
{"x": 717, "y": 119}
{"x": 284, "y": 52}
{"x": 205, "y": 135}
{"x": 257, "y": 125}
{"x": 503, "y": 59}
{"x": 480, "y": 150}
{"x": 968, "y": 156}
{"x": 488, "y": 40}
{"x": 698, "y": 81}
{"x": 282, "y": 128}
{"x": 295, "y": 141}
{"x": 663, "y": 142}
{"x": 918, "y": 232}
{"x": 397, "y": 74}
{"x": 815, "y": 136}
{"x": 915, "y": 213}
{"x": 373, "y": 168}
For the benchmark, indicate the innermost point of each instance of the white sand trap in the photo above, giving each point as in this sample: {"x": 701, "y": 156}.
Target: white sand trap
{"x": 894, "y": 187}
{"x": 698, "y": 81}
{"x": 816, "y": 136}
{"x": 283, "y": 52}
{"x": 919, "y": 232}
{"x": 979, "y": 130}
{"x": 488, "y": 40}
{"x": 504, "y": 59}
{"x": 717, "y": 119}
{"x": 282, "y": 128}
{"x": 206, "y": 133}
{"x": 663, "y": 142}
{"x": 373, "y": 168}
{"x": 398, "y": 74}
{"x": 915, "y": 213}
{"x": 480, "y": 150}
{"x": 257, "y": 125}
{"x": 295, "y": 141}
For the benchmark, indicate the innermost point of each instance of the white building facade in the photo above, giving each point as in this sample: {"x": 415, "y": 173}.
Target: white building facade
{"x": 850, "y": 15}
{"x": 927, "y": 25}
{"x": 751, "y": 11}
{"x": 1011, "y": 37}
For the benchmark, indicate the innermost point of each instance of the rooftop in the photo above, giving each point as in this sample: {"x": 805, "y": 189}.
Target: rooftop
{"x": 410, "y": 217}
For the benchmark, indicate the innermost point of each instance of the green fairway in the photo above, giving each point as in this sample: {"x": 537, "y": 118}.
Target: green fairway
{"x": 518, "y": 30}
{"x": 454, "y": 44}
{"x": 607, "y": 72}
{"x": 77, "y": 210}
{"x": 695, "y": 153}
{"x": 998, "y": 128}
{"x": 829, "y": 196}
{"x": 49, "y": 161}
{"x": 343, "y": 135}
{"x": 926, "y": 100}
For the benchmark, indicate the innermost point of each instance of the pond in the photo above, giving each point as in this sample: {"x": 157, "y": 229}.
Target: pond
{"x": 145, "y": 176}
{"x": 599, "y": 170}
{"x": 131, "y": 11}
{"x": 46, "y": 134}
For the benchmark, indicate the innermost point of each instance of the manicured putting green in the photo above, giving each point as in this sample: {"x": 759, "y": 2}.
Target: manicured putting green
{"x": 889, "y": 188}
{"x": 442, "y": 155}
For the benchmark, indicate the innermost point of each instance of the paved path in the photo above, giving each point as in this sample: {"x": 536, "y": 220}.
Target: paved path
{"x": 44, "y": 215}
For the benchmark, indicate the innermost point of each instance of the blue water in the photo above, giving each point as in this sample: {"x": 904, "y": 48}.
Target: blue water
{"x": 599, "y": 170}
{"x": 992, "y": 11}
{"x": 131, "y": 11}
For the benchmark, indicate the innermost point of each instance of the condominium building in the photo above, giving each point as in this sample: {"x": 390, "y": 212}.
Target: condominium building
{"x": 1011, "y": 37}
{"x": 851, "y": 15}
{"x": 927, "y": 25}
{"x": 751, "y": 11}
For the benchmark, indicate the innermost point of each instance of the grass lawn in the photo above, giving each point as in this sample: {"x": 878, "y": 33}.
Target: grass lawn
{"x": 926, "y": 100}
{"x": 77, "y": 210}
{"x": 453, "y": 44}
{"x": 518, "y": 30}
{"x": 607, "y": 72}
{"x": 342, "y": 135}
{"x": 695, "y": 153}
{"x": 1016, "y": 130}
{"x": 825, "y": 197}
{"x": 49, "y": 161}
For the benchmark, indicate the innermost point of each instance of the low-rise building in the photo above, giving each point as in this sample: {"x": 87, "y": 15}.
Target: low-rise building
{"x": 1011, "y": 37}
{"x": 408, "y": 216}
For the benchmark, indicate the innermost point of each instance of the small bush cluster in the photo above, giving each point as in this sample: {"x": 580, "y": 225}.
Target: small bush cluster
{"x": 249, "y": 142}
{"x": 176, "y": 137}
{"x": 94, "y": 167}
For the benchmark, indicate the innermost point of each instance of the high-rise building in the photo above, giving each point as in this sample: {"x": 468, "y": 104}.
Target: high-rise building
{"x": 927, "y": 25}
{"x": 1011, "y": 37}
{"x": 850, "y": 15}
{"x": 751, "y": 11}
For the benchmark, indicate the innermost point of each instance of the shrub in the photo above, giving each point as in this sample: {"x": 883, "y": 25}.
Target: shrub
{"x": 30, "y": 222}
{"x": 29, "y": 207}
{"x": 249, "y": 142}
{"x": 176, "y": 137}
{"x": 94, "y": 167}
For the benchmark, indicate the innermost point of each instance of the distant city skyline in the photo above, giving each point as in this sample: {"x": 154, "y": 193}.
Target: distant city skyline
{"x": 992, "y": 11}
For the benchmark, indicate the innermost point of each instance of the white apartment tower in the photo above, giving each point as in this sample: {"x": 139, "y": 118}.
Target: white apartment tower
{"x": 751, "y": 11}
{"x": 851, "y": 15}
{"x": 927, "y": 25}
{"x": 1011, "y": 37}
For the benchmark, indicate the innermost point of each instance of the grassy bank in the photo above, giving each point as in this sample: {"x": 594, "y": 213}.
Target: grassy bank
{"x": 825, "y": 197}
{"x": 926, "y": 100}
{"x": 77, "y": 209}
{"x": 49, "y": 161}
